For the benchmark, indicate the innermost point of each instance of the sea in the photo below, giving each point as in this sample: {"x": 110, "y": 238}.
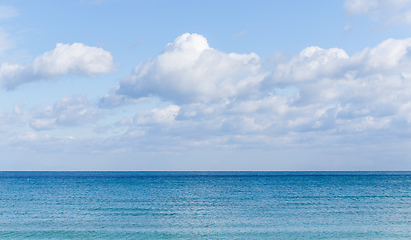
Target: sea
{"x": 205, "y": 205}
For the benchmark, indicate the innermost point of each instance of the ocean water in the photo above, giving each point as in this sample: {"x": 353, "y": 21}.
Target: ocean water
{"x": 205, "y": 205}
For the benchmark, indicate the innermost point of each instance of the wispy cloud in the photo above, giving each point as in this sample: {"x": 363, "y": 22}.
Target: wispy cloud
{"x": 137, "y": 43}
{"x": 390, "y": 11}
{"x": 238, "y": 35}
{"x": 5, "y": 42}
{"x": 67, "y": 112}
{"x": 348, "y": 28}
{"x": 7, "y": 12}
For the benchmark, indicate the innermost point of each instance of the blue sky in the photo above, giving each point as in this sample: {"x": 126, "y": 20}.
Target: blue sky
{"x": 205, "y": 85}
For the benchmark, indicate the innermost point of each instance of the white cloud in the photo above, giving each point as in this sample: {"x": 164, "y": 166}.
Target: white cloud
{"x": 311, "y": 63}
{"x": 387, "y": 61}
{"x": 40, "y": 142}
{"x": 319, "y": 94}
{"x": 391, "y": 11}
{"x": 321, "y": 98}
{"x": 390, "y": 55}
{"x": 157, "y": 116}
{"x": 44, "y": 123}
{"x": 189, "y": 70}
{"x": 72, "y": 111}
{"x": 67, "y": 112}
{"x": 75, "y": 59}
{"x": 361, "y": 6}
{"x": 33, "y": 136}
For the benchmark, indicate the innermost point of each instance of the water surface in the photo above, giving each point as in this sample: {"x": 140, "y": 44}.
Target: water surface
{"x": 205, "y": 205}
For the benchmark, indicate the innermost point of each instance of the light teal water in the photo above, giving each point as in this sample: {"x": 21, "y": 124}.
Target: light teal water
{"x": 205, "y": 205}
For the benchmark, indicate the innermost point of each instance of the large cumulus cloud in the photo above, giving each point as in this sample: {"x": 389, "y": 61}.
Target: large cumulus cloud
{"x": 189, "y": 70}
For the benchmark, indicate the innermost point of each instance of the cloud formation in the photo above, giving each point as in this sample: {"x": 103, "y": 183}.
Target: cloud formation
{"x": 391, "y": 11}
{"x": 71, "y": 111}
{"x": 5, "y": 42}
{"x": 157, "y": 116}
{"x": 321, "y": 97}
{"x": 189, "y": 70}
{"x": 12, "y": 120}
{"x": 76, "y": 59}
{"x": 67, "y": 112}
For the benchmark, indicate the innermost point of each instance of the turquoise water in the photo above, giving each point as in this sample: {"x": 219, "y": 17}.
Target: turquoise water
{"x": 205, "y": 205}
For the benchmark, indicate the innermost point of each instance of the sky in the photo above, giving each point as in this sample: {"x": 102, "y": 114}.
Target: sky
{"x": 205, "y": 85}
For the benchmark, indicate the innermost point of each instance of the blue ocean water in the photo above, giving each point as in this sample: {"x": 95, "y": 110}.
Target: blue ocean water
{"x": 205, "y": 205}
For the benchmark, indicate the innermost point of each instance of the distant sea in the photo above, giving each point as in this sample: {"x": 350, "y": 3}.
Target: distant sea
{"x": 205, "y": 205}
